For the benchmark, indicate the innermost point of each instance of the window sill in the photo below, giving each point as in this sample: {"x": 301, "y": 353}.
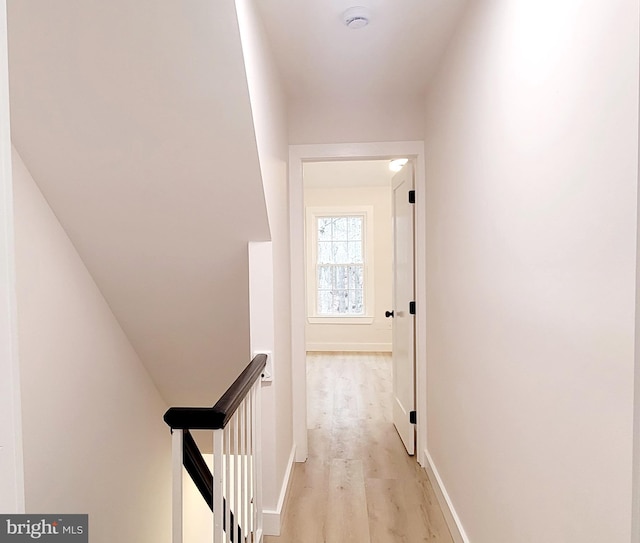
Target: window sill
{"x": 340, "y": 320}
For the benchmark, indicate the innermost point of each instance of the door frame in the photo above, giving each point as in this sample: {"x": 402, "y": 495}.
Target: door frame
{"x": 298, "y": 155}
{"x": 11, "y": 453}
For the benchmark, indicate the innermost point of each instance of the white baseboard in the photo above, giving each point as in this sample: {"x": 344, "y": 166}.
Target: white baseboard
{"x": 450, "y": 515}
{"x": 272, "y": 519}
{"x": 350, "y": 347}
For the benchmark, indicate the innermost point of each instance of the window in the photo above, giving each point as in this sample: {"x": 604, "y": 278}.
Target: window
{"x": 339, "y": 265}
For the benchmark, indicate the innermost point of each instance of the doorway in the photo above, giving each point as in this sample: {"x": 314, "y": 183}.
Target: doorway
{"x": 299, "y": 155}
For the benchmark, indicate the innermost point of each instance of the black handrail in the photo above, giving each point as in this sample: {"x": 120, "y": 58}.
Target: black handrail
{"x": 212, "y": 418}
{"x": 217, "y": 417}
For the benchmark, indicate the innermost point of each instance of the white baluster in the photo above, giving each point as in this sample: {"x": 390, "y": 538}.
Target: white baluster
{"x": 176, "y": 461}
{"x": 250, "y": 525}
{"x": 227, "y": 481}
{"x": 218, "y": 486}
{"x": 242, "y": 417}
{"x": 257, "y": 429}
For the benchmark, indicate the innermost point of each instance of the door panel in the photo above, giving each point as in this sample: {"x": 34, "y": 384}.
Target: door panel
{"x": 403, "y": 294}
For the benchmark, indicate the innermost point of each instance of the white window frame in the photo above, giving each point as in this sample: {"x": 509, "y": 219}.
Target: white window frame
{"x": 312, "y": 215}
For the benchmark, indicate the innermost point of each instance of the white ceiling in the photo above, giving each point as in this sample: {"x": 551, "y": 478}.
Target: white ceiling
{"x": 394, "y": 55}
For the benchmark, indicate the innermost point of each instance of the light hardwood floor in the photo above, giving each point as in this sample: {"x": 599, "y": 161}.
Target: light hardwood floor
{"x": 358, "y": 485}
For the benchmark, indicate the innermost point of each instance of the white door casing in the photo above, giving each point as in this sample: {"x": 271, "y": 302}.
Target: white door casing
{"x": 403, "y": 295}
{"x": 11, "y": 463}
{"x": 298, "y": 155}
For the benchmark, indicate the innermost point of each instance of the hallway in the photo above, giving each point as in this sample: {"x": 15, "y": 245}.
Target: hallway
{"x": 358, "y": 484}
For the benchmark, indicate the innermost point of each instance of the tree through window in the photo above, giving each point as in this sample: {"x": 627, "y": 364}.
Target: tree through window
{"x": 340, "y": 265}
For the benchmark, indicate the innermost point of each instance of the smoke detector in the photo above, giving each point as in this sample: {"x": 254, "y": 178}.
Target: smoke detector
{"x": 356, "y": 17}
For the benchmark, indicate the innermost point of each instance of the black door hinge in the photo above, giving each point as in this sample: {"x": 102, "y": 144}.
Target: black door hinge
{"x": 412, "y": 417}
{"x": 412, "y": 308}
{"x": 412, "y": 196}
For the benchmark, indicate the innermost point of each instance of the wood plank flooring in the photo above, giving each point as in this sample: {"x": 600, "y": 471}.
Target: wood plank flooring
{"x": 358, "y": 485}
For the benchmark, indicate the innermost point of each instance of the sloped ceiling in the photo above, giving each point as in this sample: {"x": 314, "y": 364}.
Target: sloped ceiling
{"x": 134, "y": 120}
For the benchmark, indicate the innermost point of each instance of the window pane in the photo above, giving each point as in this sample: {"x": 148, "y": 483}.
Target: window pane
{"x": 342, "y": 277}
{"x": 340, "y": 228}
{"x": 341, "y": 252}
{"x": 325, "y": 277}
{"x": 340, "y": 265}
{"x": 325, "y": 256}
{"x": 355, "y": 251}
{"x": 355, "y": 228}
{"x": 356, "y": 277}
{"x": 324, "y": 302}
{"x": 324, "y": 228}
{"x": 340, "y": 301}
{"x": 356, "y": 302}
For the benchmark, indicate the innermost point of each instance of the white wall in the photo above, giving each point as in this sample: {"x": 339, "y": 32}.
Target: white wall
{"x": 359, "y": 337}
{"x": 261, "y": 300}
{"x": 364, "y": 119}
{"x": 532, "y": 156}
{"x": 11, "y": 470}
{"x": 269, "y": 112}
{"x": 94, "y": 439}
{"x": 143, "y": 146}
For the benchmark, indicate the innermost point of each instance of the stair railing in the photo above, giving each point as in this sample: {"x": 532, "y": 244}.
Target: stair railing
{"x": 233, "y": 491}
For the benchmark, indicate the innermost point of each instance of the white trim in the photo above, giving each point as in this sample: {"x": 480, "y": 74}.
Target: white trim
{"x": 298, "y": 278}
{"x": 635, "y": 483}
{"x": 11, "y": 449}
{"x": 177, "y": 500}
{"x": 448, "y": 510}
{"x": 272, "y": 519}
{"x": 256, "y": 426}
{"x": 298, "y": 154}
{"x": 350, "y": 347}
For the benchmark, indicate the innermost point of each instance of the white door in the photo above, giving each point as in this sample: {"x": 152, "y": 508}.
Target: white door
{"x": 403, "y": 300}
